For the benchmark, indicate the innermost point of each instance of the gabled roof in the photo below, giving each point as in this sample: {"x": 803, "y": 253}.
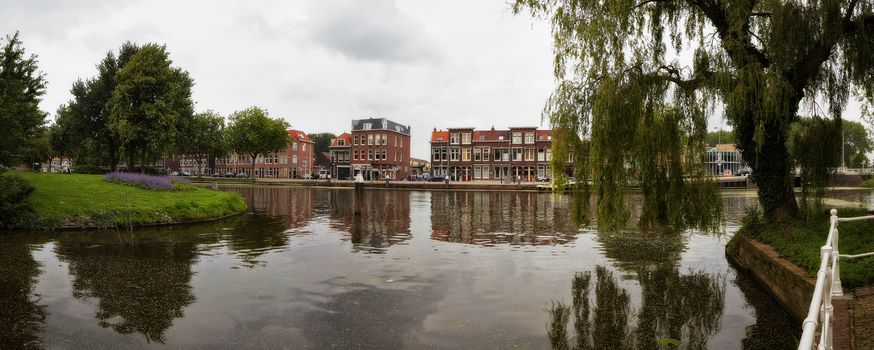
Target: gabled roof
{"x": 345, "y": 136}
{"x": 298, "y": 135}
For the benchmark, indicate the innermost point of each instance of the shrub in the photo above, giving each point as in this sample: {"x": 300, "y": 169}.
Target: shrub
{"x": 89, "y": 169}
{"x": 149, "y": 182}
{"x": 14, "y": 209}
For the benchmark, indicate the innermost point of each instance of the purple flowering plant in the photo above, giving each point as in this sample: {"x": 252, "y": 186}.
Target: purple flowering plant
{"x": 149, "y": 182}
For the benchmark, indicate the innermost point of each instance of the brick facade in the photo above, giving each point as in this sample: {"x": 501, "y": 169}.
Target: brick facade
{"x": 295, "y": 162}
{"x": 380, "y": 148}
{"x": 465, "y": 154}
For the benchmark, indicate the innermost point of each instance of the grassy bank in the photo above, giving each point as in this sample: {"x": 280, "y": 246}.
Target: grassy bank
{"x": 65, "y": 200}
{"x": 800, "y": 243}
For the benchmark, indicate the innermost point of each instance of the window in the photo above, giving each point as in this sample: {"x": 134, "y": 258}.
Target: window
{"x": 294, "y": 159}
{"x": 355, "y": 140}
{"x": 369, "y": 139}
{"x": 541, "y": 155}
{"x": 294, "y": 146}
{"x": 477, "y": 172}
{"x": 453, "y": 138}
{"x": 529, "y": 154}
{"x": 453, "y": 154}
{"x": 548, "y": 154}
{"x": 341, "y": 142}
{"x": 383, "y": 155}
{"x": 465, "y": 138}
{"x": 436, "y": 156}
{"x": 465, "y": 154}
{"x": 517, "y": 137}
{"x": 477, "y": 154}
{"x": 517, "y": 154}
{"x": 370, "y": 154}
{"x": 444, "y": 154}
{"x": 486, "y": 153}
{"x": 355, "y": 154}
{"x": 368, "y": 126}
{"x": 303, "y": 147}
{"x": 529, "y": 137}
{"x": 384, "y": 139}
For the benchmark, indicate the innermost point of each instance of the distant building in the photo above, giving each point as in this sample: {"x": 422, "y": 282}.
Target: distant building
{"x": 322, "y": 163}
{"x": 465, "y": 154}
{"x": 419, "y": 166}
{"x": 295, "y": 162}
{"x": 724, "y": 159}
{"x": 341, "y": 156}
{"x": 58, "y": 165}
{"x": 379, "y": 149}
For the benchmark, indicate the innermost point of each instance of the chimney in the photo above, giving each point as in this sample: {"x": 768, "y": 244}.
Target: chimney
{"x": 493, "y": 128}
{"x": 435, "y": 129}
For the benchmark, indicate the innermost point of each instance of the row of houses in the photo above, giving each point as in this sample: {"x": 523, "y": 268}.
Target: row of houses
{"x": 379, "y": 148}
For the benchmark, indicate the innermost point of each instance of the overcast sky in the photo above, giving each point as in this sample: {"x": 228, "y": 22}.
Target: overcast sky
{"x": 317, "y": 64}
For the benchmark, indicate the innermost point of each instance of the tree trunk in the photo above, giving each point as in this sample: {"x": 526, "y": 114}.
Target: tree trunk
{"x": 772, "y": 168}
{"x": 253, "y": 165}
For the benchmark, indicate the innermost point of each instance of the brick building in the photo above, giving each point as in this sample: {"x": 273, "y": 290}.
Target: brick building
{"x": 465, "y": 154}
{"x": 341, "y": 156}
{"x": 380, "y": 148}
{"x": 295, "y": 162}
{"x": 300, "y": 154}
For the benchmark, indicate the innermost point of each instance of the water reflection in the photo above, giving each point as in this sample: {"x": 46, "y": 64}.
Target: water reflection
{"x": 384, "y": 219}
{"x": 141, "y": 284}
{"x": 21, "y": 315}
{"x": 295, "y": 207}
{"x": 251, "y": 236}
{"x": 501, "y": 217}
{"x": 678, "y": 310}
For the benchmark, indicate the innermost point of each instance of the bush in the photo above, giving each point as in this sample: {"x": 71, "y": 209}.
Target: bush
{"x": 90, "y": 169}
{"x": 14, "y": 209}
{"x": 149, "y": 182}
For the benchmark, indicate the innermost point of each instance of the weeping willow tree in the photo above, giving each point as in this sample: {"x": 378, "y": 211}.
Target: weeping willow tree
{"x": 636, "y": 80}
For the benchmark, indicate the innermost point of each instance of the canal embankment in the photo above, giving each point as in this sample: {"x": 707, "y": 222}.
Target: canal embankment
{"x": 784, "y": 260}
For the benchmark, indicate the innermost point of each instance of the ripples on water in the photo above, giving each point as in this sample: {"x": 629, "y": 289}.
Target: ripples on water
{"x": 415, "y": 270}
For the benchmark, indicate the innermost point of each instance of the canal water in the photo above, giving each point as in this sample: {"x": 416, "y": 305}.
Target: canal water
{"x": 417, "y": 270}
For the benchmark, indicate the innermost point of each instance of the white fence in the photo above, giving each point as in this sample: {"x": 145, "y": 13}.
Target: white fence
{"x": 828, "y": 285}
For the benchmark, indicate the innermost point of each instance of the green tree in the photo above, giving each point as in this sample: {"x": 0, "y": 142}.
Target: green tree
{"x": 322, "y": 141}
{"x": 150, "y": 104}
{"x": 84, "y": 120}
{"x": 253, "y": 132}
{"x": 719, "y": 136}
{"x": 205, "y": 138}
{"x": 857, "y": 144}
{"x": 21, "y": 88}
{"x": 615, "y": 63}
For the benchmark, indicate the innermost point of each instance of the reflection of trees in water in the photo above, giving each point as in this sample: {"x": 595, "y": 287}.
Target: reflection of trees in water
{"x": 639, "y": 251}
{"x": 293, "y": 205}
{"x": 384, "y": 219}
{"x": 254, "y": 235}
{"x": 674, "y": 307}
{"x": 501, "y": 217}
{"x": 21, "y": 316}
{"x": 769, "y": 316}
{"x": 141, "y": 285}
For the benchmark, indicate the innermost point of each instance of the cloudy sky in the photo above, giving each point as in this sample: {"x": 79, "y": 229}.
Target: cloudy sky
{"x": 317, "y": 64}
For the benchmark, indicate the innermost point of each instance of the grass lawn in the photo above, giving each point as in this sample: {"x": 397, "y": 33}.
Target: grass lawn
{"x": 87, "y": 200}
{"x": 807, "y": 236}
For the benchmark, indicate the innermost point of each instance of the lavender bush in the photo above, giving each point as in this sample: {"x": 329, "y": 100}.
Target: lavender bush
{"x": 149, "y": 182}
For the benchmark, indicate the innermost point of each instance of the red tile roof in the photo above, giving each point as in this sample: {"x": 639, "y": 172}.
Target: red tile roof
{"x": 440, "y": 136}
{"x": 298, "y": 135}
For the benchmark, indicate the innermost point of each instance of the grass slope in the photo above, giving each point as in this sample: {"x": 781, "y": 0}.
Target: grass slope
{"x": 807, "y": 236}
{"x": 86, "y": 200}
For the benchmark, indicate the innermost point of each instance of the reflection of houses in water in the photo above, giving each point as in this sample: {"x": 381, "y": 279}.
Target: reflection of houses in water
{"x": 501, "y": 217}
{"x": 384, "y": 219}
{"x": 295, "y": 206}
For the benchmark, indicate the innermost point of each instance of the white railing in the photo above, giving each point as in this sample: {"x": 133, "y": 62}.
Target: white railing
{"x": 828, "y": 285}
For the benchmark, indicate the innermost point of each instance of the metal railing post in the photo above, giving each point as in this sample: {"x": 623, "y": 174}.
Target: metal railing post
{"x": 836, "y": 288}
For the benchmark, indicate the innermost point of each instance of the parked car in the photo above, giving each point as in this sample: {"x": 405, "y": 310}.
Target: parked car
{"x": 184, "y": 173}
{"x": 543, "y": 179}
{"x": 174, "y": 173}
{"x": 242, "y": 175}
{"x": 743, "y": 172}
{"x": 307, "y": 176}
{"x": 230, "y": 174}
{"x": 216, "y": 174}
{"x": 437, "y": 179}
